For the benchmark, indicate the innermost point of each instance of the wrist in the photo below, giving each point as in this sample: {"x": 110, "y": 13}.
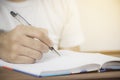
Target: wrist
{"x": 1, "y": 35}
{"x": 1, "y": 32}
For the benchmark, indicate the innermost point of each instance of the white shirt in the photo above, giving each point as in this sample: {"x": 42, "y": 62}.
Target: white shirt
{"x": 59, "y": 17}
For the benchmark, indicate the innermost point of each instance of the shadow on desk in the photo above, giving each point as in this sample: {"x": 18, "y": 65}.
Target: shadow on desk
{"x": 11, "y": 75}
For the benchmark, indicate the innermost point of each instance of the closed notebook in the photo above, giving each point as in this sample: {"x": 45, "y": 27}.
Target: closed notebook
{"x": 68, "y": 63}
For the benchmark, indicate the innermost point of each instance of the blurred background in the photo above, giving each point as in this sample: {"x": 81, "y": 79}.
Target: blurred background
{"x": 100, "y": 21}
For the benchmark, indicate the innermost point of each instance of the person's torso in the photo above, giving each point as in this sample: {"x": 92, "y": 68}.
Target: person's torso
{"x": 48, "y": 14}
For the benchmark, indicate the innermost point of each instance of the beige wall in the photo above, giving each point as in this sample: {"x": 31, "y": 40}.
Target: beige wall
{"x": 100, "y": 20}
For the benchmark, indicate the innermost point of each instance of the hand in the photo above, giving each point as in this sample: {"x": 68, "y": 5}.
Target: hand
{"x": 20, "y": 45}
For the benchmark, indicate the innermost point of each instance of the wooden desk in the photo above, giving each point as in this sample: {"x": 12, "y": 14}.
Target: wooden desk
{"x": 11, "y": 75}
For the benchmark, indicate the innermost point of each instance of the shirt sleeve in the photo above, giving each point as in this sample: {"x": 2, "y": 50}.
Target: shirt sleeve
{"x": 71, "y": 34}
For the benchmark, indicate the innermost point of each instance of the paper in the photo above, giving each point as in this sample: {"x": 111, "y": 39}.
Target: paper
{"x": 68, "y": 61}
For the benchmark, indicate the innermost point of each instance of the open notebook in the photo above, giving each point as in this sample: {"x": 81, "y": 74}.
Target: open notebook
{"x": 69, "y": 63}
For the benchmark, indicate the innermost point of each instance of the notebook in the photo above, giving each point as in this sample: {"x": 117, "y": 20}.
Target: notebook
{"x": 68, "y": 63}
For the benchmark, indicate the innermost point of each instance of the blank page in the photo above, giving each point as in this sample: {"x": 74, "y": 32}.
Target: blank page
{"x": 53, "y": 62}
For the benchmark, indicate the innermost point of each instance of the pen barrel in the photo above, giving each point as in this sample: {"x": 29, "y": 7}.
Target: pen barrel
{"x": 21, "y": 20}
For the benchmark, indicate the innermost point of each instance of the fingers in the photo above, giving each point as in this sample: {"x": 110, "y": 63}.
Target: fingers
{"x": 23, "y": 60}
{"x": 19, "y": 45}
{"x": 38, "y": 33}
{"x": 24, "y": 51}
{"x": 34, "y": 44}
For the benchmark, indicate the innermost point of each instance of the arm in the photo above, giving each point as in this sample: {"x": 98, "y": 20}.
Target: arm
{"x": 1, "y": 31}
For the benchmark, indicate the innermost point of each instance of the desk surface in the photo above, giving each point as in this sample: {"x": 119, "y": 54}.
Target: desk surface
{"x": 11, "y": 75}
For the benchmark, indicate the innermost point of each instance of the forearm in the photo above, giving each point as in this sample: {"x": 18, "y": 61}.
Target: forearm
{"x": 1, "y": 32}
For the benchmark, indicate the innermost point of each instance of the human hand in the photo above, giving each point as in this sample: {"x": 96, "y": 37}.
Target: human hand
{"x": 19, "y": 45}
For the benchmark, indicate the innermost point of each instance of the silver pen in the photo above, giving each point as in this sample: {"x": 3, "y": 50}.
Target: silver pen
{"x": 22, "y": 20}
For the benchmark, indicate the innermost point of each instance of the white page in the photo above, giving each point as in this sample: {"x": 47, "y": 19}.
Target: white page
{"x": 66, "y": 62}
{"x": 52, "y": 62}
{"x": 101, "y": 59}
{"x": 73, "y": 60}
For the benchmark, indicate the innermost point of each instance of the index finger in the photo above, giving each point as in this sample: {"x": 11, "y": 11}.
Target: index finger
{"x": 38, "y": 33}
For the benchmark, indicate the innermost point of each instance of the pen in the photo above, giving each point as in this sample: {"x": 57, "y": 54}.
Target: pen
{"x": 22, "y": 20}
